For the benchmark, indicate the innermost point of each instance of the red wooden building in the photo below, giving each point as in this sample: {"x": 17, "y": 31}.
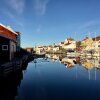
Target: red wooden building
{"x": 9, "y": 42}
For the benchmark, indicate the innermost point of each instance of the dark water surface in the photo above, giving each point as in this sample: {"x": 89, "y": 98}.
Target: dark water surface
{"x": 52, "y": 80}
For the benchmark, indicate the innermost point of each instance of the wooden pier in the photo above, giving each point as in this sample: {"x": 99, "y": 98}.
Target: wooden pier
{"x": 15, "y": 65}
{"x": 39, "y": 55}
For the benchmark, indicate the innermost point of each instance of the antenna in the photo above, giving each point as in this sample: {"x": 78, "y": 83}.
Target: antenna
{"x": 89, "y": 34}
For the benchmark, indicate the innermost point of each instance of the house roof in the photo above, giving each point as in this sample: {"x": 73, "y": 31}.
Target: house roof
{"x": 71, "y": 39}
{"x": 50, "y": 46}
{"x": 7, "y": 38}
{"x": 40, "y": 47}
{"x": 8, "y": 28}
{"x": 87, "y": 38}
{"x": 62, "y": 42}
{"x": 97, "y": 38}
{"x": 67, "y": 44}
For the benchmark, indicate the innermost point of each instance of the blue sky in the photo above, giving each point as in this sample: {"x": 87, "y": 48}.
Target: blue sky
{"x": 44, "y": 22}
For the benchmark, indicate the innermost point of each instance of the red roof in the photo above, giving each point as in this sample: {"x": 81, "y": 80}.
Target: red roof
{"x": 70, "y": 39}
{"x": 97, "y": 38}
{"x": 6, "y": 32}
{"x": 67, "y": 43}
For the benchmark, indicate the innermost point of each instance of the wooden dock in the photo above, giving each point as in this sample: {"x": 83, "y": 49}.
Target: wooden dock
{"x": 15, "y": 65}
{"x": 39, "y": 55}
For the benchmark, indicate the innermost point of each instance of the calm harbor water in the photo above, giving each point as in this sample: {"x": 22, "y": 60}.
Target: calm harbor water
{"x": 56, "y": 78}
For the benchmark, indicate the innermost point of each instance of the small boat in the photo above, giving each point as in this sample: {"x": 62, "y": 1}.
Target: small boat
{"x": 35, "y": 61}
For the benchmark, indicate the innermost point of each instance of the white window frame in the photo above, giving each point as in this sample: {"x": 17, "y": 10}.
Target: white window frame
{"x": 3, "y": 47}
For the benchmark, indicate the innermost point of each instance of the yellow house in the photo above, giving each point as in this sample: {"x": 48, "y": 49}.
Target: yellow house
{"x": 87, "y": 42}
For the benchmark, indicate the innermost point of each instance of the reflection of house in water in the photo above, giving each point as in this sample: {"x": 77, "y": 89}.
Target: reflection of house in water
{"x": 78, "y": 60}
{"x": 69, "y": 62}
{"x": 90, "y": 64}
{"x": 9, "y": 43}
{"x": 97, "y": 64}
{"x": 9, "y": 86}
{"x": 53, "y": 56}
{"x": 56, "y": 57}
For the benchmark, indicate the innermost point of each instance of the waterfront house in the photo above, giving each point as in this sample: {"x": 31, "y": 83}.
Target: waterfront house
{"x": 55, "y": 48}
{"x": 87, "y": 45}
{"x": 96, "y": 46}
{"x": 69, "y": 40}
{"x": 49, "y": 48}
{"x": 87, "y": 42}
{"x": 61, "y": 44}
{"x": 18, "y": 42}
{"x": 30, "y": 50}
{"x": 69, "y": 44}
{"x": 9, "y": 43}
{"x": 39, "y": 50}
{"x": 45, "y": 48}
{"x": 91, "y": 46}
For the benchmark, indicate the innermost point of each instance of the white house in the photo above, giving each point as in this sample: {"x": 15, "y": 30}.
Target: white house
{"x": 69, "y": 44}
{"x": 56, "y": 48}
{"x": 69, "y": 40}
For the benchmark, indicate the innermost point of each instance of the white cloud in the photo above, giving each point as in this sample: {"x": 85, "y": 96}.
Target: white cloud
{"x": 17, "y": 5}
{"x": 14, "y": 18}
{"x": 40, "y": 6}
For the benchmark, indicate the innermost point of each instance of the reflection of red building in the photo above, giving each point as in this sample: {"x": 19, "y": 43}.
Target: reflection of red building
{"x": 8, "y": 43}
{"x": 79, "y": 49}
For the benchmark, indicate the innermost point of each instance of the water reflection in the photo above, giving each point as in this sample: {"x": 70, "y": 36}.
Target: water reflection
{"x": 9, "y": 84}
{"x": 88, "y": 63}
{"x": 71, "y": 62}
{"x": 68, "y": 62}
{"x": 61, "y": 78}
{"x": 57, "y": 78}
